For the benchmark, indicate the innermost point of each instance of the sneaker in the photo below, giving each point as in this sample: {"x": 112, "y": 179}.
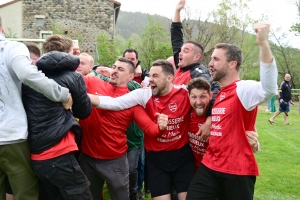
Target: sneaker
{"x": 140, "y": 194}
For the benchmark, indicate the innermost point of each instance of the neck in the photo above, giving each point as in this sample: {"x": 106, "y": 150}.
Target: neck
{"x": 228, "y": 80}
{"x": 167, "y": 90}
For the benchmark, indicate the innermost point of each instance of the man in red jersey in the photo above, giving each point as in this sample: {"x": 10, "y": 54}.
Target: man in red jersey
{"x": 104, "y": 143}
{"x": 187, "y": 58}
{"x": 229, "y": 168}
{"x": 200, "y": 96}
{"x": 169, "y": 156}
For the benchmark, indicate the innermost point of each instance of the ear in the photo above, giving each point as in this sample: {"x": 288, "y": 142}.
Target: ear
{"x": 34, "y": 59}
{"x": 170, "y": 78}
{"x": 210, "y": 96}
{"x": 198, "y": 56}
{"x": 131, "y": 76}
{"x": 232, "y": 64}
{"x": 2, "y": 30}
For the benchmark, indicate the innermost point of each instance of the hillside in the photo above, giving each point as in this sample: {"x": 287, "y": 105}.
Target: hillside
{"x": 135, "y": 22}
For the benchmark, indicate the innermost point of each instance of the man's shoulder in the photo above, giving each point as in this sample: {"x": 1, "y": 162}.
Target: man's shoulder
{"x": 200, "y": 71}
{"x": 14, "y": 47}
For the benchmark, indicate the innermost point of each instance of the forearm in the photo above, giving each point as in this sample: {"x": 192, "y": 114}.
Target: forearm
{"x": 136, "y": 97}
{"x": 30, "y": 76}
{"x": 176, "y": 17}
{"x": 177, "y": 40}
{"x": 268, "y": 78}
{"x": 94, "y": 99}
{"x": 265, "y": 52}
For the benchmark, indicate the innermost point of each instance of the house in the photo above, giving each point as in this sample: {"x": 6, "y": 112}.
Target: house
{"x": 81, "y": 20}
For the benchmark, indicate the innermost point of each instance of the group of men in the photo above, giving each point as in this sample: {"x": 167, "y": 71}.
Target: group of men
{"x": 178, "y": 112}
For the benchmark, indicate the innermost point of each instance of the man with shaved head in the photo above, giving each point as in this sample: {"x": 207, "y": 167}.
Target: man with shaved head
{"x": 285, "y": 99}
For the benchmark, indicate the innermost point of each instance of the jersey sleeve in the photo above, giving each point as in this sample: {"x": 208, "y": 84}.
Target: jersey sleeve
{"x": 252, "y": 93}
{"x": 144, "y": 121}
{"x": 30, "y": 76}
{"x": 281, "y": 90}
{"x": 136, "y": 97}
{"x": 177, "y": 40}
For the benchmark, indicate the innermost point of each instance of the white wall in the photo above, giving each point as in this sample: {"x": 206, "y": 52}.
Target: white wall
{"x": 12, "y": 18}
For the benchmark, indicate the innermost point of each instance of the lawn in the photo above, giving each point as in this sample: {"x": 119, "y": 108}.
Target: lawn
{"x": 279, "y": 160}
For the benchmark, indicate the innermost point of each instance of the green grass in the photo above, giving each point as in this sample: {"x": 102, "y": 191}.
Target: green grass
{"x": 279, "y": 160}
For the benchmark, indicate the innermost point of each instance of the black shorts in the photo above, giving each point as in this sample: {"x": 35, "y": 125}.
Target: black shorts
{"x": 8, "y": 189}
{"x": 168, "y": 168}
{"x": 208, "y": 184}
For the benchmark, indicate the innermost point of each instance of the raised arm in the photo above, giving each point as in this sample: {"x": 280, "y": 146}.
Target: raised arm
{"x": 176, "y": 32}
{"x": 178, "y": 8}
{"x": 262, "y": 38}
{"x": 267, "y": 87}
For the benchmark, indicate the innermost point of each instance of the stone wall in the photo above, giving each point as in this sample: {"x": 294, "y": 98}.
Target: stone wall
{"x": 81, "y": 20}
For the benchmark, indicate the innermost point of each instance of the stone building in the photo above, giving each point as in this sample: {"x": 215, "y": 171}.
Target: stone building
{"x": 81, "y": 20}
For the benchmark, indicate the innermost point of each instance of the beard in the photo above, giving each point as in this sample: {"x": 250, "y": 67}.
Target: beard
{"x": 159, "y": 90}
{"x": 219, "y": 74}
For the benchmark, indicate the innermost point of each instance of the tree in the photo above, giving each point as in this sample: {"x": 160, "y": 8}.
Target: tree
{"x": 155, "y": 43}
{"x": 107, "y": 50}
{"x": 287, "y": 59}
{"x": 229, "y": 23}
{"x": 296, "y": 27}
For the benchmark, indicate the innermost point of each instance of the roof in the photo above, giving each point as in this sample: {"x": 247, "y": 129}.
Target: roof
{"x": 117, "y": 6}
{"x": 4, "y": 3}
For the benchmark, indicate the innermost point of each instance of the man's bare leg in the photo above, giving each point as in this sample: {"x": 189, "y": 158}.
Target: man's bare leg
{"x": 163, "y": 197}
{"x": 182, "y": 195}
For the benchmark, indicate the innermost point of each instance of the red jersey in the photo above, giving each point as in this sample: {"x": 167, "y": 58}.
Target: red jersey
{"x": 198, "y": 146}
{"x": 104, "y": 130}
{"x": 175, "y": 104}
{"x": 234, "y": 112}
{"x": 229, "y": 150}
{"x": 138, "y": 79}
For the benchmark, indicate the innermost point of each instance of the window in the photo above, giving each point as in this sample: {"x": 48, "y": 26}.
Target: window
{"x": 45, "y": 34}
{"x": 39, "y": 20}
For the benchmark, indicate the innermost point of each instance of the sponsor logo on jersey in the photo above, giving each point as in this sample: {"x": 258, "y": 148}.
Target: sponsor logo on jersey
{"x": 173, "y": 106}
{"x": 222, "y": 96}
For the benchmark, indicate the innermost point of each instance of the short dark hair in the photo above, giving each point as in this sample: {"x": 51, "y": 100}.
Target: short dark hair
{"x": 57, "y": 42}
{"x": 167, "y": 67}
{"x": 198, "y": 83}
{"x": 199, "y": 48}
{"x": 232, "y": 53}
{"x": 100, "y": 65}
{"x": 33, "y": 48}
{"x": 130, "y": 50}
{"x": 129, "y": 62}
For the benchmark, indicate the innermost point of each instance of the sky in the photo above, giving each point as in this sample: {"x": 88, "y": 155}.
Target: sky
{"x": 281, "y": 13}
